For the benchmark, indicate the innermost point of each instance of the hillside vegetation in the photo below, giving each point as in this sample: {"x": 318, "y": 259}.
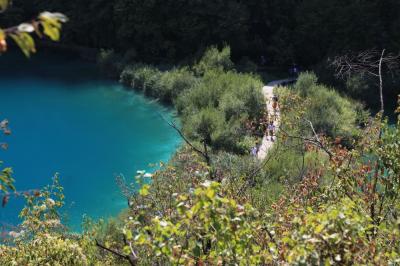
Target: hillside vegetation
{"x": 285, "y": 31}
{"x": 323, "y": 196}
{"x": 327, "y": 192}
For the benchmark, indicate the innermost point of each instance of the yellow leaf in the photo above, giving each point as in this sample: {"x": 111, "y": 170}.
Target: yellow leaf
{"x": 25, "y": 42}
{"x": 319, "y": 229}
{"x": 3, "y": 5}
{"x": 51, "y": 30}
{"x": 51, "y": 23}
{"x": 210, "y": 193}
{"x": 128, "y": 235}
{"x": 144, "y": 191}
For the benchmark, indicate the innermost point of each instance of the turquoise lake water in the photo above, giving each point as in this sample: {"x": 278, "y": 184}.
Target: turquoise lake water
{"x": 65, "y": 118}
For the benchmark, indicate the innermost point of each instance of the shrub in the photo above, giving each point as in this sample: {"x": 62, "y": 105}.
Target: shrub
{"x": 204, "y": 124}
{"x": 41, "y": 239}
{"x": 325, "y": 237}
{"x": 214, "y": 59}
{"x": 214, "y": 105}
{"x": 202, "y": 228}
{"x": 141, "y": 77}
{"x": 305, "y": 83}
{"x": 233, "y": 97}
{"x": 164, "y": 85}
{"x": 174, "y": 82}
{"x": 329, "y": 112}
{"x": 46, "y": 249}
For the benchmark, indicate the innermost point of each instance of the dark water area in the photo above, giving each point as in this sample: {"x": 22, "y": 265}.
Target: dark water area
{"x": 66, "y": 118}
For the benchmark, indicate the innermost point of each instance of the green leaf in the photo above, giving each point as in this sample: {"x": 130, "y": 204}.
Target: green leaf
{"x": 196, "y": 251}
{"x": 127, "y": 250}
{"x": 144, "y": 191}
{"x": 128, "y": 235}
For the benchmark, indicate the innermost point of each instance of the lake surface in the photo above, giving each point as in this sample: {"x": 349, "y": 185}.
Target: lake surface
{"x": 65, "y": 118}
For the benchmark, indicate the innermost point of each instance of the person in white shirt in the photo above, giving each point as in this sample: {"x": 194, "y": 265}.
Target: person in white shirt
{"x": 271, "y": 130}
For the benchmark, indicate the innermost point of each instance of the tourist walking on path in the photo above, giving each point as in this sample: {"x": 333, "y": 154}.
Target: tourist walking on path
{"x": 254, "y": 151}
{"x": 268, "y": 92}
{"x": 275, "y": 106}
{"x": 271, "y": 130}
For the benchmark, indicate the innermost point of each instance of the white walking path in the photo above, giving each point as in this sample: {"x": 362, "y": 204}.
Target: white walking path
{"x": 268, "y": 92}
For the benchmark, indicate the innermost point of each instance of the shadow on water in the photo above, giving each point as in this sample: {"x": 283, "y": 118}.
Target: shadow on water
{"x": 63, "y": 67}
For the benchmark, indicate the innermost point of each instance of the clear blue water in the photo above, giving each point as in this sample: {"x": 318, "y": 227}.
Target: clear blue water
{"x": 66, "y": 119}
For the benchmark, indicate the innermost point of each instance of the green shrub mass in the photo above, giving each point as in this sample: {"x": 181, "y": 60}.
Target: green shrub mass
{"x": 329, "y": 112}
{"x": 327, "y": 193}
{"x": 213, "y": 100}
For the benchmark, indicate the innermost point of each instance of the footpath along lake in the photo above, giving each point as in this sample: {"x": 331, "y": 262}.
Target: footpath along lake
{"x": 65, "y": 118}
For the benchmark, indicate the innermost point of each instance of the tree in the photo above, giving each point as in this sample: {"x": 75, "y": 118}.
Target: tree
{"x": 370, "y": 63}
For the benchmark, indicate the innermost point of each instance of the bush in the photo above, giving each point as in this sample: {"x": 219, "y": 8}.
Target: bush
{"x": 214, "y": 105}
{"x": 233, "y": 97}
{"x": 174, "y": 82}
{"x": 204, "y": 124}
{"x": 41, "y": 239}
{"x": 305, "y": 83}
{"x": 214, "y": 59}
{"x": 326, "y": 237}
{"x": 164, "y": 85}
{"x": 202, "y": 228}
{"x": 141, "y": 77}
{"x": 329, "y": 112}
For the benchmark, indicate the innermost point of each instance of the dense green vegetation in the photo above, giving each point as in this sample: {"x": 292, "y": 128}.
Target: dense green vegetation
{"x": 213, "y": 100}
{"x": 327, "y": 193}
{"x": 305, "y": 32}
{"x": 327, "y": 110}
{"x": 284, "y": 31}
{"x": 313, "y": 202}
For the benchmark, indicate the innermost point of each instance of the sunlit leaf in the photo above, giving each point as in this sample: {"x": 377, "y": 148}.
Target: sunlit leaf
{"x": 25, "y": 42}
{"x": 51, "y": 30}
{"x": 54, "y": 16}
{"x": 51, "y": 23}
{"x": 3, "y": 5}
{"x": 144, "y": 191}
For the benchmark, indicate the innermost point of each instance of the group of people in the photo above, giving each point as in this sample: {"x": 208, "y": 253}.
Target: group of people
{"x": 267, "y": 125}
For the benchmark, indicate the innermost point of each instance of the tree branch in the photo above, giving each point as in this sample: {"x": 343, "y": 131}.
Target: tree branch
{"x": 204, "y": 153}
{"x": 132, "y": 260}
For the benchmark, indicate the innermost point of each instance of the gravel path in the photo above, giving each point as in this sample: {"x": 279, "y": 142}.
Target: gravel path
{"x": 268, "y": 92}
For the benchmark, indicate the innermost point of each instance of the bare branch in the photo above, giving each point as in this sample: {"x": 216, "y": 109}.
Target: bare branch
{"x": 202, "y": 153}
{"x": 131, "y": 259}
{"x": 370, "y": 62}
{"x": 314, "y": 141}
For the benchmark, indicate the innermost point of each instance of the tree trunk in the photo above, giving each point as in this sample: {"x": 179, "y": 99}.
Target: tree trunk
{"x": 381, "y": 82}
